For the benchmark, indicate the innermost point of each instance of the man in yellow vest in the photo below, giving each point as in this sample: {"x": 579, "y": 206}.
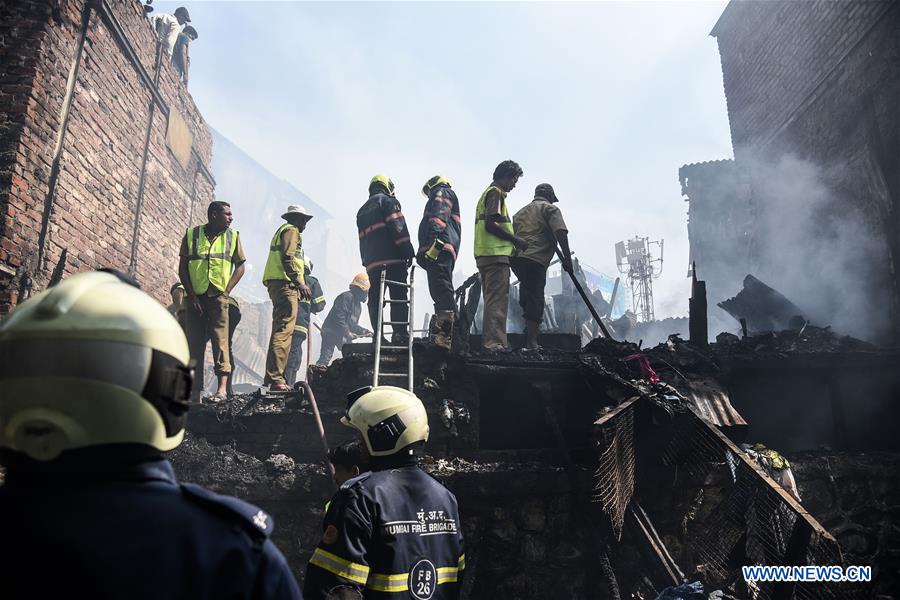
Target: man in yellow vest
{"x": 211, "y": 264}
{"x": 284, "y": 277}
{"x": 495, "y": 242}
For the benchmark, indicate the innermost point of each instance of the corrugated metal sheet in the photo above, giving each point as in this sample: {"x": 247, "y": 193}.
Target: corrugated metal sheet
{"x": 712, "y": 402}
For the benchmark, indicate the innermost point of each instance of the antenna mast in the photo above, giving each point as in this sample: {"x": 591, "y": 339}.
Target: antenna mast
{"x": 635, "y": 260}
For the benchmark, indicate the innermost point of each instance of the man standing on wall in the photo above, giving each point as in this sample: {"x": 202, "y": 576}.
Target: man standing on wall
{"x": 211, "y": 264}
{"x": 384, "y": 246}
{"x": 285, "y": 279}
{"x": 168, "y": 26}
{"x": 541, "y": 225}
{"x": 305, "y": 311}
{"x": 495, "y": 242}
{"x": 439, "y": 238}
{"x": 181, "y": 58}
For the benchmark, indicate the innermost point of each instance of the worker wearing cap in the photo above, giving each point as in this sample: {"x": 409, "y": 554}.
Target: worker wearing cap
{"x": 284, "y": 276}
{"x": 306, "y": 308}
{"x": 167, "y": 27}
{"x": 439, "y": 239}
{"x": 394, "y": 531}
{"x": 540, "y": 223}
{"x": 211, "y": 264}
{"x": 94, "y": 388}
{"x": 495, "y": 242}
{"x": 342, "y": 323}
{"x": 384, "y": 246}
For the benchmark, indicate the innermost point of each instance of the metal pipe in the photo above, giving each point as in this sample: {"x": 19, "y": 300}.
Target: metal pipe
{"x": 308, "y": 347}
{"x": 378, "y": 328}
{"x": 308, "y": 393}
{"x": 412, "y": 272}
{"x": 139, "y": 202}
{"x": 65, "y": 113}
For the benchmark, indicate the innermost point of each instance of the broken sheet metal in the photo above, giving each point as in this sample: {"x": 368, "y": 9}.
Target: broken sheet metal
{"x": 711, "y": 400}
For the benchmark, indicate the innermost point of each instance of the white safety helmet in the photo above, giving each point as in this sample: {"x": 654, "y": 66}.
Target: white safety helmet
{"x": 91, "y": 361}
{"x": 389, "y": 418}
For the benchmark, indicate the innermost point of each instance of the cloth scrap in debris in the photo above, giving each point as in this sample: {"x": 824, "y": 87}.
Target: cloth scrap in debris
{"x": 647, "y": 371}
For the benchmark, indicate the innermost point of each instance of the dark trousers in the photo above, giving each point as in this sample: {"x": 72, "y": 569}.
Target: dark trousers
{"x": 295, "y": 358}
{"x": 532, "y": 280}
{"x": 399, "y": 311}
{"x": 440, "y": 281}
{"x": 330, "y": 341}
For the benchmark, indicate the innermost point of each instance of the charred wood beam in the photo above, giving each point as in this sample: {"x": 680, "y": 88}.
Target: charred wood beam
{"x": 653, "y": 547}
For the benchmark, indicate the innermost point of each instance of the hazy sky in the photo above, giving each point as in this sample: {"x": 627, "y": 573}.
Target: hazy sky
{"x": 603, "y": 100}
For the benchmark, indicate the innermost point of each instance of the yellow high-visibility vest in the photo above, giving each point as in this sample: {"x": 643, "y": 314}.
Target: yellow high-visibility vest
{"x": 209, "y": 263}
{"x": 274, "y": 267}
{"x": 486, "y": 243}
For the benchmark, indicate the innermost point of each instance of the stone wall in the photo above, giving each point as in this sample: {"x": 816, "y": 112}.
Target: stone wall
{"x": 856, "y": 496}
{"x": 87, "y": 178}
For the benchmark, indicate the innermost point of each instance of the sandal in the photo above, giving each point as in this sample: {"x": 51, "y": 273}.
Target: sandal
{"x": 216, "y": 398}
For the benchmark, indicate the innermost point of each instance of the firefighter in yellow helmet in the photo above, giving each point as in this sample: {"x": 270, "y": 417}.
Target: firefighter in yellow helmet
{"x": 94, "y": 387}
{"x": 342, "y": 323}
{"x": 392, "y": 532}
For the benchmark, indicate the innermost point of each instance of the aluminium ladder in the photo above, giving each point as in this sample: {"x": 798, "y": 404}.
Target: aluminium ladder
{"x": 379, "y": 333}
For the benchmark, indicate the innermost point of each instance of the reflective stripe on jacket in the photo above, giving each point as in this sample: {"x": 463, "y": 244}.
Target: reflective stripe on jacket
{"x": 486, "y": 243}
{"x": 209, "y": 263}
{"x": 390, "y": 534}
{"x": 440, "y": 221}
{"x": 274, "y": 267}
{"x": 383, "y": 235}
{"x": 308, "y": 306}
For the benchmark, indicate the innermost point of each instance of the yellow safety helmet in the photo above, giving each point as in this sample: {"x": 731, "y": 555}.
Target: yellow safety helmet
{"x": 389, "y": 418}
{"x": 383, "y": 181}
{"x": 91, "y": 361}
{"x": 361, "y": 281}
{"x": 433, "y": 183}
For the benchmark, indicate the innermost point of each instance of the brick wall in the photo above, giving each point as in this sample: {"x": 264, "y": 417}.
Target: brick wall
{"x": 77, "y": 92}
{"x": 812, "y": 90}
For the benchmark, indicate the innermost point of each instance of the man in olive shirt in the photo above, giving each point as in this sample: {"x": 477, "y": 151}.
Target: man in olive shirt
{"x": 284, "y": 277}
{"x": 211, "y": 263}
{"x": 541, "y": 225}
{"x": 495, "y": 242}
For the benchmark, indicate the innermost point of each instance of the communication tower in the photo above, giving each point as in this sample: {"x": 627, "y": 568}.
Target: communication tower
{"x": 635, "y": 261}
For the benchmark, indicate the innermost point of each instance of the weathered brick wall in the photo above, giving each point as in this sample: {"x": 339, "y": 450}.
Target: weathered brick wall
{"x": 774, "y": 54}
{"x": 87, "y": 199}
{"x": 816, "y": 84}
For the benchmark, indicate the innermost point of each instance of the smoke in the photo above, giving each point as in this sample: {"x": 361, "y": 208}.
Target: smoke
{"x": 818, "y": 244}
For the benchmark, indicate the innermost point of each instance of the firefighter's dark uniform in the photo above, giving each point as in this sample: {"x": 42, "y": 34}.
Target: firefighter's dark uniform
{"x": 133, "y": 532}
{"x": 384, "y": 244}
{"x": 389, "y": 534}
{"x": 306, "y": 307}
{"x": 440, "y": 223}
{"x": 341, "y": 324}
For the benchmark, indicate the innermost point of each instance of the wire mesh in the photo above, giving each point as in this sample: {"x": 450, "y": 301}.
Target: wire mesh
{"x": 753, "y": 523}
{"x": 614, "y": 476}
